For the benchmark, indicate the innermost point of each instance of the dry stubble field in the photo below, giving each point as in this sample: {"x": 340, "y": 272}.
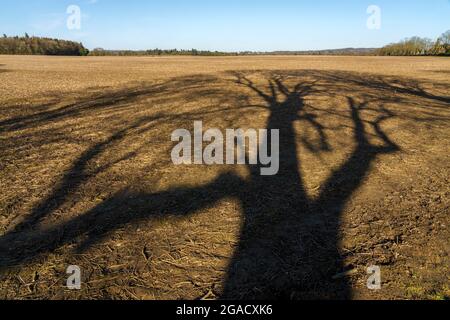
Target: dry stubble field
{"x": 86, "y": 178}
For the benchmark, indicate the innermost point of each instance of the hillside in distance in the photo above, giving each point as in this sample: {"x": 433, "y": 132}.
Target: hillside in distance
{"x": 337, "y": 52}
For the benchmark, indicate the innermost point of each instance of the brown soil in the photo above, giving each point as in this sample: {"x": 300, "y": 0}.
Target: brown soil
{"x": 87, "y": 179}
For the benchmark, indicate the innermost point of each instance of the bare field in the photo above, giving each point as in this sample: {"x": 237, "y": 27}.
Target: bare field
{"x": 86, "y": 178}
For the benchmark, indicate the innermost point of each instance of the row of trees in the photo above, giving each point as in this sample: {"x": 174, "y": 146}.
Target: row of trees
{"x": 40, "y": 46}
{"x": 194, "y": 52}
{"x": 417, "y": 46}
{"x": 157, "y": 52}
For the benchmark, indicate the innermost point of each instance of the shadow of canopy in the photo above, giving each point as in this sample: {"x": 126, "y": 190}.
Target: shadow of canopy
{"x": 289, "y": 240}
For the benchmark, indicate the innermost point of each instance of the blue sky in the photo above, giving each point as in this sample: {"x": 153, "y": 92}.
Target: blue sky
{"x": 227, "y": 25}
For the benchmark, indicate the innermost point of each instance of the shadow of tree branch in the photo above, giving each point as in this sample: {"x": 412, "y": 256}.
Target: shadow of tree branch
{"x": 289, "y": 242}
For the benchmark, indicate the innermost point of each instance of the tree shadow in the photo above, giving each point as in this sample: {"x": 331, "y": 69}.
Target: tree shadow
{"x": 109, "y": 101}
{"x": 391, "y": 84}
{"x": 289, "y": 244}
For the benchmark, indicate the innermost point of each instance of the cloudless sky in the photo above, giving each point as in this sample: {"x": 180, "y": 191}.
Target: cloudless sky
{"x": 227, "y": 25}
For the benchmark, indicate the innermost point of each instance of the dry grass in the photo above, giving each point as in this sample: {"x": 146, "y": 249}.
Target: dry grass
{"x": 86, "y": 178}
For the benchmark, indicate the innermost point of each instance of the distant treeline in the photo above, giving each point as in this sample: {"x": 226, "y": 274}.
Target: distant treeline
{"x": 40, "y": 46}
{"x": 194, "y": 52}
{"x": 417, "y": 46}
{"x": 158, "y": 52}
{"x": 331, "y": 52}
